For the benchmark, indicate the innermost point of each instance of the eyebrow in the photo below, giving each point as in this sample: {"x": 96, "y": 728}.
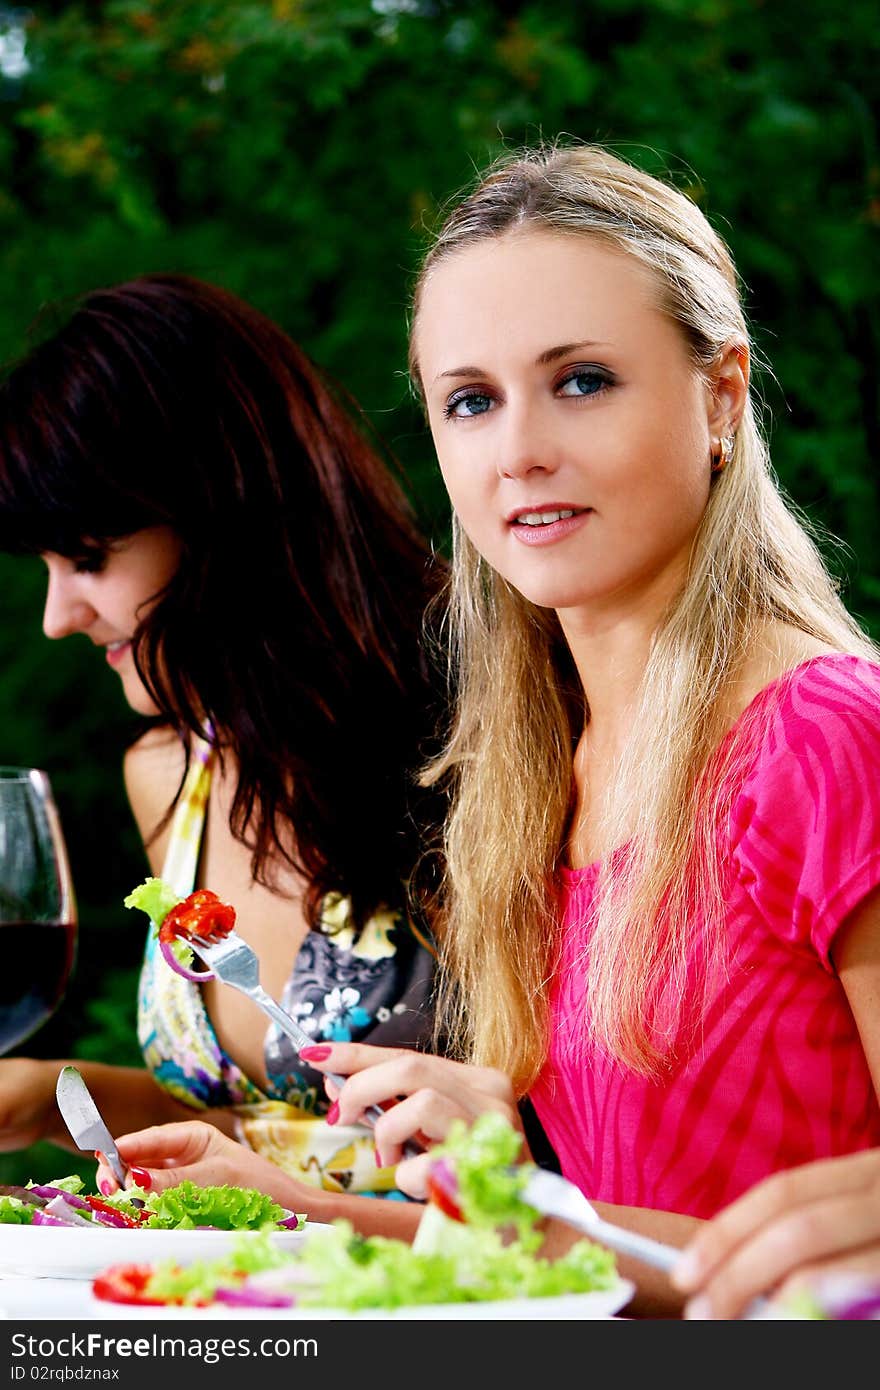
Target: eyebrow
{"x": 544, "y": 359}
{"x": 553, "y": 354}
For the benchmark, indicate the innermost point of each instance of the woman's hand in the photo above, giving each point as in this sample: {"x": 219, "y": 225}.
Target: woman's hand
{"x": 799, "y": 1227}
{"x": 27, "y": 1102}
{"x": 193, "y": 1150}
{"x": 423, "y": 1095}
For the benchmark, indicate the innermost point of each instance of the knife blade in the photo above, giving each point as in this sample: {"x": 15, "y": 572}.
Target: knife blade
{"x": 83, "y": 1119}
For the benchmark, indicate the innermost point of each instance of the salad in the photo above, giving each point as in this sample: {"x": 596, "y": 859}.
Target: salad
{"x": 187, "y": 1206}
{"x": 478, "y": 1243}
{"x": 176, "y": 919}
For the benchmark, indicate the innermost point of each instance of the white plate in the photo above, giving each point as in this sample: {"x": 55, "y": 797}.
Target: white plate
{"x": 35, "y": 1299}
{"x": 603, "y": 1303}
{"x": 80, "y": 1252}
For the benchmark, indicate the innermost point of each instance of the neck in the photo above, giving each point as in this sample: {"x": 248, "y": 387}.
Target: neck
{"x": 610, "y": 650}
{"x": 610, "y": 642}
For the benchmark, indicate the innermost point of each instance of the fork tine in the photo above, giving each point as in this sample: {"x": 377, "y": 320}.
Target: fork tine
{"x": 198, "y": 947}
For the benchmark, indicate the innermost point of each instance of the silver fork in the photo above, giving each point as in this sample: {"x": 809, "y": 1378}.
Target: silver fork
{"x": 235, "y": 963}
{"x": 553, "y": 1195}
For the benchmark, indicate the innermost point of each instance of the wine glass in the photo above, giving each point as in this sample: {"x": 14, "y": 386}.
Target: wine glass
{"x": 38, "y": 921}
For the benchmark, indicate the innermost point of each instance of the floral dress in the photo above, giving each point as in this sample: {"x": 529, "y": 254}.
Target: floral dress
{"x": 373, "y": 987}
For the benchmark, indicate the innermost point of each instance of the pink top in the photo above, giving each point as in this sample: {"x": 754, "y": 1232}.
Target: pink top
{"x": 778, "y": 1076}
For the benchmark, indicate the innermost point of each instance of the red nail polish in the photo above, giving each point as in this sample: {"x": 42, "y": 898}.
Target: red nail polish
{"x": 142, "y": 1178}
{"x": 315, "y": 1054}
{"x": 99, "y": 1156}
{"x": 333, "y": 1113}
{"x": 378, "y": 1157}
{"x": 105, "y": 1187}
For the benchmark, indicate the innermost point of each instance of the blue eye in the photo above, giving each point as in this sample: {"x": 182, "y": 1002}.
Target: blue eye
{"x": 472, "y": 403}
{"x": 583, "y": 381}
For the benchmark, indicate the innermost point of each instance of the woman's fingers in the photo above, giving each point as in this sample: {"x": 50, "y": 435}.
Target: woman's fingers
{"x": 835, "y": 1283}
{"x": 420, "y": 1094}
{"x": 352, "y": 1059}
{"x": 166, "y": 1146}
{"x": 786, "y": 1248}
{"x": 783, "y": 1193}
{"x": 192, "y": 1150}
{"x": 796, "y": 1222}
{"x": 379, "y": 1075}
{"x": 776, "y": 1196}
{"x": 426, "y": 1116}
{"x": 411, "y": 1176}
{"x": 165, "y": 1155}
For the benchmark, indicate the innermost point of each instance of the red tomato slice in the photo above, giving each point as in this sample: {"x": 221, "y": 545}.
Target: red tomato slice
{"x": 98, "y": 1204}
{"x": 442, "y": 1199}
{"x": 124, "y": 1284}
{"x": 201, "y": 914}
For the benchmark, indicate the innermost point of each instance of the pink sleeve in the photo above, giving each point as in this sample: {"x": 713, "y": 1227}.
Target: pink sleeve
{"x": 805, "y": 829}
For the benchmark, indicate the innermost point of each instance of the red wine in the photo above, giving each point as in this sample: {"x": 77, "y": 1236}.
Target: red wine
{"x": 36, "y": 961}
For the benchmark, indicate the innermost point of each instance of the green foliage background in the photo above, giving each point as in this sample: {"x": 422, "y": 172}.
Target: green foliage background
{"x": 296, "y": 150}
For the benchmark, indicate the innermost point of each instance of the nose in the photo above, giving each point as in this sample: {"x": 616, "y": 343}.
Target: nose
{"x": 66, "y": 610}
{"x": 528, "y": 444}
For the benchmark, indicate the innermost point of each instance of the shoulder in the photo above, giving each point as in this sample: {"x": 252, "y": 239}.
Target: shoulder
{"x": 805, "y": 822}
{"x": 153, "y": 768}
{"x": 810, "y": 744}
{"x": 829, "y": 700}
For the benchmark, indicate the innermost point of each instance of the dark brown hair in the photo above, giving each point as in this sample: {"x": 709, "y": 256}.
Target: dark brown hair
{"x": 293, "y": 627}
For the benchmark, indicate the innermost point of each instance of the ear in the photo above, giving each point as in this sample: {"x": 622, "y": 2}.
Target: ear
{"x": 727, "y": 388}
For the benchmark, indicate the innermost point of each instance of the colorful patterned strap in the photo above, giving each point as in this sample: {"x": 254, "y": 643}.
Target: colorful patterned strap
{"x": 181, "y": 863}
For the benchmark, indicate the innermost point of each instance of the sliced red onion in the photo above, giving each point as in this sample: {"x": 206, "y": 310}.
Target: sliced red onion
{"x": 247, "y": 1297}
{"x": 848, "y": 1297}
{"x": 42, "y": 1218}
{"x": 60, "y": 1207}
{"x": 863, "y": 1309}
{"x": 28, "y": 1195}
{"x": 71, "y": 1198}
{"x": 443, "y": 1188}
{"x": 110, "y": 1218}
{"x": 445, "y": 1176}
{"x": 290, "y": 1222}
{"x": 200, "y": 976}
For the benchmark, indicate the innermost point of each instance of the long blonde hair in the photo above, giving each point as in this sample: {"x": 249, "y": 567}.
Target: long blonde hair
{"x": 521, "y": 707}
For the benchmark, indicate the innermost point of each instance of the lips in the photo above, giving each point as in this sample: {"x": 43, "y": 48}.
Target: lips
{"x": 547, "y": 525}
{"x": 115, "y": 651}
{"x": 544, "y": 514}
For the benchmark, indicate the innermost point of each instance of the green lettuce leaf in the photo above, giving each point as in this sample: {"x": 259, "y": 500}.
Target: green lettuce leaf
{"x": 348, "y": 1271}
{"x": 199, "y": 1281}
{"x": 154, "y": 897}
{"x": 483, "y": 1158}
{"x": 228, "y": 1208}
{"x": 72, "y": 1183}
{"x": 15, "y": 1213}
{"x": 474, "y": 1265}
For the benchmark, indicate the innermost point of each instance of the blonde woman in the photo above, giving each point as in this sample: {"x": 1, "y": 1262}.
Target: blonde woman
{"x": 661, "y": 913}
